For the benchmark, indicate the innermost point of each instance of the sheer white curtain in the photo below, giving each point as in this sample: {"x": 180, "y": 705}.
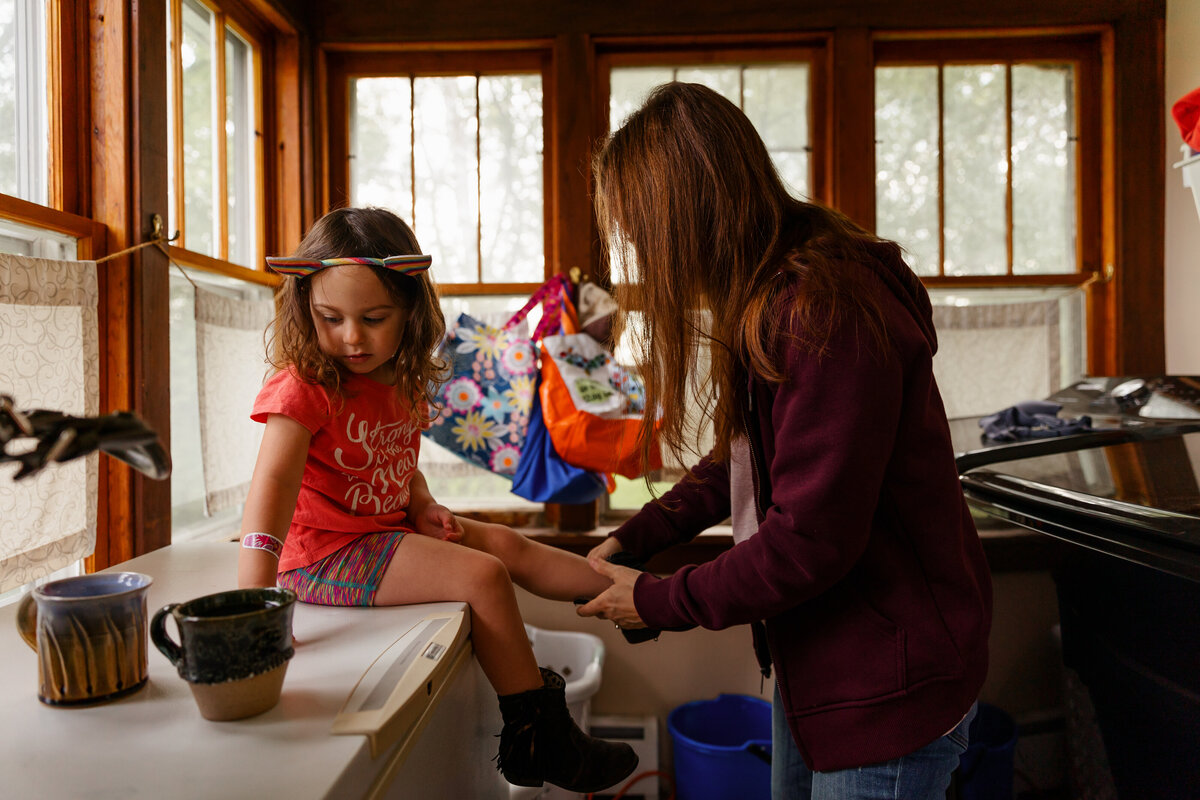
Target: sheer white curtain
{"x": 231, "y": 368}
{"x": 49, "y": 358}
{"x": 993, "y": 354}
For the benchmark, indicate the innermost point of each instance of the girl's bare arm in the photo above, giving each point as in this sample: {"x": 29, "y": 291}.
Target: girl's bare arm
{"x": 272, "y": 497}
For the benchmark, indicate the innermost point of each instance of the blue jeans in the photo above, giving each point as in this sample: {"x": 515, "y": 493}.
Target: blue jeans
{"x": 921, "y": 775}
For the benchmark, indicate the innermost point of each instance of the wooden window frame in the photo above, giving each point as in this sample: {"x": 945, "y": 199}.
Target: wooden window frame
{"x": 226, "y": 16}
{"x": 107, "y": 180}
{"x": 340, "y": 65}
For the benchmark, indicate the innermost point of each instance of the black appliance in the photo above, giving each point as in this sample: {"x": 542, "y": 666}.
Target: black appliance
{"x": 1127, "y": 494}
{"x": 1129, "y": 488}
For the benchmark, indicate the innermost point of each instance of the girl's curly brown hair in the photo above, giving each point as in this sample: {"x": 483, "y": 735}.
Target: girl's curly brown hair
{"x": 371, "y": 233}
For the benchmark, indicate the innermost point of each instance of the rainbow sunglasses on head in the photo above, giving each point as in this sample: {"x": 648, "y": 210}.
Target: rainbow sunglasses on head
{"x": 303, "y": 267}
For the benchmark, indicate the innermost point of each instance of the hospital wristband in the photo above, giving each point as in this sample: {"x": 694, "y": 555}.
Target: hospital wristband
{"x": 262, "y": 541}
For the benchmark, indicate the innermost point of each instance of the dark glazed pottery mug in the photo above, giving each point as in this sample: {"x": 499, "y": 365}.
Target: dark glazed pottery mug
{"x": 233, "y": 648}
{"x": 90, "y": 636}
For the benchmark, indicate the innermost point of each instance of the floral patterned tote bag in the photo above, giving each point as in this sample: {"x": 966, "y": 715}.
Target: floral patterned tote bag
{"x": 488, "y": 397}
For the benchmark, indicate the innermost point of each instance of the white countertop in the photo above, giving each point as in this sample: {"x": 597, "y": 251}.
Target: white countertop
{"x": 154, "y": 743}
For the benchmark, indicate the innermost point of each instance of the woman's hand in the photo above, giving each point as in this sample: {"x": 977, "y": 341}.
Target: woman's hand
{"x": 439, "y": 522}
{"x": 602, "y": 551}
{"x": 616, "y": 602}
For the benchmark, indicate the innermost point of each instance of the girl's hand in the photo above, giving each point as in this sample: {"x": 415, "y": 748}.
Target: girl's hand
{"x": 600, "y": 553}
{"x": 439, "y": 522}
{"x": 616, "y": 602}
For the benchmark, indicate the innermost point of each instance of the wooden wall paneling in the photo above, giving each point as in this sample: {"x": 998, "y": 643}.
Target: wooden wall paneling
{"x": 128, "y": 162}
{"x": 482, "y": 19}
{"x": 852, "y": 114}
{"x": 333, "y": 109}
{"x": 110, "y": 153}
{"x": 570, "y": 132}
{"x": 1139, "y": 194}
{"x": 151, "y": 292}
{"x": 67, "y": 54}
{"x": 573, "y": 240}
{"x": 286, "y": 187}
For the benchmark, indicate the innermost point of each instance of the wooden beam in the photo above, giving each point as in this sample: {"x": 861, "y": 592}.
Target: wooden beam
{"x": 484, "y": 19}
{"x": 151, "y": 291}
{"x": 851, "y": 150}
{"x": 570, "y": 130}
{"x": 128, "y": 165}
{"x": 1140, "y": 194}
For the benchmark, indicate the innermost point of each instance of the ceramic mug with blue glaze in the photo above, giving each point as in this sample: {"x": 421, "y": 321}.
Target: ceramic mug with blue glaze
{"x": 90, "y": 636}
{"x": 233, "y": 648}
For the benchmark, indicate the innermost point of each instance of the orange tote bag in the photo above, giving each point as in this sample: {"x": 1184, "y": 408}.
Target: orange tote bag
{"x": 593, "y": 407}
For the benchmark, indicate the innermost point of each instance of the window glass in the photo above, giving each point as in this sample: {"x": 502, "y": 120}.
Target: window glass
{"x": 461, "y": 158}
{"x": 906, "y": 162}
{"x": 976, "y": 171}
{"x": 381, "y": 144}
{"x": 24, "y": 143}
{"x": 242, "y": 200}
{"x": 775, "y": 97}
{"x": 511, "y": 218}
{"x": 213, "y": 448}
{"x": 1044, "y": 226}
{"x": 200, "y": 229}
{"x": 446, "y": 215}
{"x": 976, "y": 167}
{"x": 26, "y": 240}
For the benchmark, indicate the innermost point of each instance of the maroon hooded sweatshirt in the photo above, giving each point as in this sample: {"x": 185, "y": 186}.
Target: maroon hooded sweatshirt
{"x": 866, "y": 566}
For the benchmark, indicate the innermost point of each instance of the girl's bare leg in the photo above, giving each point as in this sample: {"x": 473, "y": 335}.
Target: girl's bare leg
{"x": 426, "y": 570}
{"x": 544, "y": 570}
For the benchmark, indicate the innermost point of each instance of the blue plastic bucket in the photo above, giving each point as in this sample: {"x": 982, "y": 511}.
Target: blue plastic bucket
{"x": 985, "y": 770}
{"x": 722, "y": 748}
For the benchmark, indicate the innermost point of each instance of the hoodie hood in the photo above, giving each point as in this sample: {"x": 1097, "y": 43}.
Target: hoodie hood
{"x": 884, "y": 260}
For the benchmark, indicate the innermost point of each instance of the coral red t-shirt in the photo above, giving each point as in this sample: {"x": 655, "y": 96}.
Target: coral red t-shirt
{"x": 361, "y": 460}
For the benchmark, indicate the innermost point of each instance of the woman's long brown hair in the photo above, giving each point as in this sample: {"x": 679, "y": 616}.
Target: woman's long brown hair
{"x": 370, "y": 233}
{"x": 690, "y": 204}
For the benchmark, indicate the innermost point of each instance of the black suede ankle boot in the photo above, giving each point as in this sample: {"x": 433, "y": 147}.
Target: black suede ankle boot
{"x": 540, "y": 743}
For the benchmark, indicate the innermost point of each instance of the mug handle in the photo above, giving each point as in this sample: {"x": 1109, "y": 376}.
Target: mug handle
{"x": 27, "y": 620}
{"x": 158, "y": 634}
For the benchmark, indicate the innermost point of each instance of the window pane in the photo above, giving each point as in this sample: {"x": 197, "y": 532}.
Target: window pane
{"x": 381, "y": 147}
{"x": 187, "y": 473}
{"x": 199, "y": 137}
{"x": 906, "y": 162}
{"x": 1044, "y": 209}
{"x": 23, "y": 105}
{"x": 510, "y": 163}
{"x": 976, "y": 170}
{"x": 775, "y": 98}
{"x": 628, "y": 88}
{"x": 26, "y": 240}
{"x": 241, "y": 170}
{"x": 446, "y": 219}
{"x": 725, "y": 81}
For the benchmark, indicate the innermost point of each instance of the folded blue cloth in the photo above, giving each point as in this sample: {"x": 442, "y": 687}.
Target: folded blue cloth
{"x": 1032, "y": 419}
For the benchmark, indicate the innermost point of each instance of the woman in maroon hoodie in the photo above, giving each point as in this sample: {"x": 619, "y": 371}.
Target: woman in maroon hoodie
{"x": 831, "y": 454}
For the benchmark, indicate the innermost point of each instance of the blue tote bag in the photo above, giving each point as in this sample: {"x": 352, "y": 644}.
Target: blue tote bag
{"x": 543, "y": 477}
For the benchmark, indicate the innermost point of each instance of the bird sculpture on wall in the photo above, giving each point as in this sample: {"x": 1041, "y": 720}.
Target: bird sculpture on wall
{"x": 60, "y": 437}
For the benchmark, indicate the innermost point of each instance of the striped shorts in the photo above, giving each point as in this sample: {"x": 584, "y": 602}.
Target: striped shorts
{"x": 347, "y": 577}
